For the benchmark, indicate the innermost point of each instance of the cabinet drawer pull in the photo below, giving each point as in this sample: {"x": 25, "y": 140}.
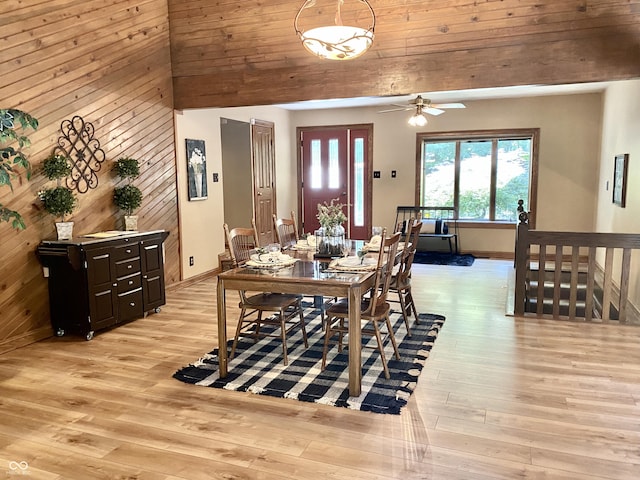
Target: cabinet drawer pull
{"x": 132, "y": 304}
{"x": 128, "y": 250}
{"x": 129, "y": 267}
{"x": 130, "y": 282}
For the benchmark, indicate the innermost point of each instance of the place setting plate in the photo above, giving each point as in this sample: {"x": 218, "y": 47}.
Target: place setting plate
{"x": 270, "y": 260}
{"x": 353, "y": 264}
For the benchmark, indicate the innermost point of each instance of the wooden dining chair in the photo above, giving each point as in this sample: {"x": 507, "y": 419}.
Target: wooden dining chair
{"x": 285, "y": 309}
{"x": 401, "y": 280}
{"x": 286, "y": 230}
{"x": 374, "y": 309}
{"x": 287, "y": 233}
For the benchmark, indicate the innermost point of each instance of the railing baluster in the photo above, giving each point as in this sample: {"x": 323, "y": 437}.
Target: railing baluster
{"x": 557, "y": 277}
{"x": 591, "y": 275}
{"x": 573, "y": 287}
{"x": 624, "y": 285}
{"x": 607, "y": 286}
{"x": 542, "y": 270}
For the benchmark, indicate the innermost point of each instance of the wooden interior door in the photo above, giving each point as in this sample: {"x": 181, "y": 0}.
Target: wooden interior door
{"x": 264, "y": 178}
{"x": 335, "y": 165}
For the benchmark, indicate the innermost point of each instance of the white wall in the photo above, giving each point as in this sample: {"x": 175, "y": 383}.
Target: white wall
{"x": 201, "y": 233}
{"x": 568, "y": 171}
{"x": 621, "y": 124}
{"x": 568, "y": 162}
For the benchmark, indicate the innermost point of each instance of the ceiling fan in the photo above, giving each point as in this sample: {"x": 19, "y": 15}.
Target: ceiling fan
{"x": 422, "y": 106}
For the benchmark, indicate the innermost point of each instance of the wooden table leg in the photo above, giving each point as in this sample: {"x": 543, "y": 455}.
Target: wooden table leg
{"x": 222, "y": 329}
{"x": 355, "y": 342}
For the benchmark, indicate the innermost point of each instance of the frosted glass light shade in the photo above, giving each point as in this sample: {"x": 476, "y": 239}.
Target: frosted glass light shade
{"x": 337, "y": 42}
{"x": 418, "y": 120}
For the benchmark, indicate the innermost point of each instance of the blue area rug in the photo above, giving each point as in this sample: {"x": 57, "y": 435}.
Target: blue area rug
{"x": 258, "y": 368}
{"x": 444, "y": 258}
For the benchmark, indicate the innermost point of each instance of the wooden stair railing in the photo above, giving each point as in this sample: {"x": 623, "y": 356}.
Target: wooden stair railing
{"x": 560, "y": 273}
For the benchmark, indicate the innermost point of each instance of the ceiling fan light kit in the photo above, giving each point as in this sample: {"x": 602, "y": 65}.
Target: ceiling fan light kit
{"x": 422, "y": 106}
{"x": 339, "y": 41}
{"x": 418, "y": 120}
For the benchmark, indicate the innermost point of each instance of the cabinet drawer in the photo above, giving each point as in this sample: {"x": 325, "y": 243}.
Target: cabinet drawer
{"x": 131, "y": 282}
{"x": 125, "y": 268}
{"x": 123, "y": 252}
{"x": 130, "y": 304}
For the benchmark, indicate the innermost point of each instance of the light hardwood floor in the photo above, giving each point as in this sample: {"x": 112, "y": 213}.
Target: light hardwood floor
{"x": 499, "y": 398}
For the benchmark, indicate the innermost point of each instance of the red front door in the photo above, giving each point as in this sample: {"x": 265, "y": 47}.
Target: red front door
{"x": 335, "y": 165}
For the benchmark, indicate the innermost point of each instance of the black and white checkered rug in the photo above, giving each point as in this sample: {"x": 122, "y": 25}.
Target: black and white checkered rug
{"x": 258, "y": 368}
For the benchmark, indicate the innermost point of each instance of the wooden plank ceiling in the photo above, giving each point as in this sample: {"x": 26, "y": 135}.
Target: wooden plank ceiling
{"x": 229, "y": 53}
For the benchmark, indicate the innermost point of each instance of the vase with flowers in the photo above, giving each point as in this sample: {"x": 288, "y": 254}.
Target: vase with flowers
{"x": 330, "y": 240}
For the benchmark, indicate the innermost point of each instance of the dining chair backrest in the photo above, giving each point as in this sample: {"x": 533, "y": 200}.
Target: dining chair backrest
{"x": 405, "y": 228}
{"x": 413, "y": 234}
{"x": 241, "y": 241}
{"x": 409, "y": 252}
{"x": 286, "y": 230}
{"x": 384, "y": 269}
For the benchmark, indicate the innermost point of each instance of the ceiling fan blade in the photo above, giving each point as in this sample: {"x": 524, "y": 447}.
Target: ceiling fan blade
{"x": 448, "y": 105}
{"x": 396, "y": 109}
{"x": 433, "y": 111}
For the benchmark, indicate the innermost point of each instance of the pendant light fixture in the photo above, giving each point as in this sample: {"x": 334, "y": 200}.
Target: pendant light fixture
{"x": 339, "y": 41}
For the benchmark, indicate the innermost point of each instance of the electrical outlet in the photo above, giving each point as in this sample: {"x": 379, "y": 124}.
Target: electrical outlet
{"x": 215, "y": 177}
{"x": 376, "y": 174}
{"x": 191, "y": 261}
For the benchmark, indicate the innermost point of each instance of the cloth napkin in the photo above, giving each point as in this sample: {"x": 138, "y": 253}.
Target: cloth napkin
{"x": 305, "y": 244}
{"x": 270, "y": 259}
{"x": 353, "y": 264}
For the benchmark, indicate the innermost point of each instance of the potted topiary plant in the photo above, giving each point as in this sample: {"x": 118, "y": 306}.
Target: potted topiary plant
{"x": 128, "y": 197}
{"x": 13, "y": 124}
{"x": 59, "y": 201}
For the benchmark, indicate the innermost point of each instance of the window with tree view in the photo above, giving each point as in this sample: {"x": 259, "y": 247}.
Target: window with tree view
{"x": 482, "y": 174}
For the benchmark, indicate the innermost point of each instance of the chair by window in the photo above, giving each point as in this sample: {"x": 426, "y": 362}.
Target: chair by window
{"x": 286, "y": 230}
{"x": 285, "y": 310}
{"x": 401, "y": 280}
{"x": 374, "y": 309}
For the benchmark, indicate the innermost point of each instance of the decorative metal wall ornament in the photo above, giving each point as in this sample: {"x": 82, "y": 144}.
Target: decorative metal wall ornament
{"x": 78, "y": 144}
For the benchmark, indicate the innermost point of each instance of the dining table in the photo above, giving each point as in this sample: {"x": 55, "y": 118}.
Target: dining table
{"x": 307, "y": 276}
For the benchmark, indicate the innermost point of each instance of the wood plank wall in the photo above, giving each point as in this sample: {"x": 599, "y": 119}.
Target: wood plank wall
{"x": 229, "y": 53}
{"x": 109, "y": 62}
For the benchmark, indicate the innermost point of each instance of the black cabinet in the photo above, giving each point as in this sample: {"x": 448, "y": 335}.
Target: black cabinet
{"x": 99, "y": 281}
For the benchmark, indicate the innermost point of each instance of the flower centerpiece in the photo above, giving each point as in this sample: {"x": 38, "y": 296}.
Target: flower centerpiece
{"x": 330, "y": 236}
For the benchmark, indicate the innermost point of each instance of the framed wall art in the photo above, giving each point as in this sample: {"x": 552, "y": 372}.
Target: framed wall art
{"x": 196, "y": 169}
{"x": 620, "y": 167}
